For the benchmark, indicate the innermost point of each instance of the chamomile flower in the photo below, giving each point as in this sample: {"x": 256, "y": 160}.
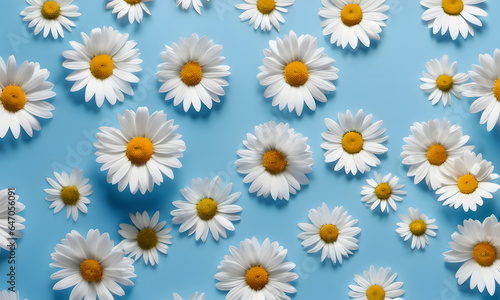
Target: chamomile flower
{"x": 416, "y": 226}
{"x": 350, "y": 21}
{"x": 354, "y": 142}
{"x": 375, "y": 285}
{"x": 383, "y": 191}
{"x": 255, "y": 271}
{"x": 51, "y": 16}
{"x": 103, "y": 65}
{"x": 333, "y": 233}
{"x": 264, "y": 13}
{"x": 276, "y": 161}
{"x": 441, "y": 80}
{"x": 7, "y": 236}
{"x": 140, "y": 153}
{"x": 93, "y": 265}
{"x": 208, "y": 208}
{"x": 194, "y": 296}
{"x": 193, "y": 73}
{"x": 135, "y": 9}
{"x": 457, "y": 16}
{"x": 477, "y": 247}
{"x": 24, "y": 90}
{"x": 9, "y": 295}
{"x": 185, "y": 4}
{"x": 295, "y": 72}
{"x": 70, "y": 191}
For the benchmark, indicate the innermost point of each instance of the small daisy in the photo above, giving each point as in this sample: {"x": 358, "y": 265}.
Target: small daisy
{"x": 354, "y": 143}
{"x": 295, "y": 72}
{"x": 70, "y": 191}
{"x": 23, "y": 92}
{"x": 384, "y": 191}
{"x": 194, "y": 296}
{"x": 276, "y": 161}
{"x": 431, "y": 148}
{"x": 455, "y": 15}
{"x": 350, "y": 21}
{"x": 264, "y": 13}
{"x": 376, "y": 285}
{"x": 93, "y": 265}
{"x": 146, "y": 238}
{"x": 416, "y": 226}
{"x": 133, "y": 8}
{"x": 193, "y": 73}
{"x": 442, "y": 80}
{"x": 137, "y": 155}
{"x": 51, "y": 16}
{"x": 9, "y": 295}
{"x": 208, "y": 208}
{"x": 256, "y": 271}
{"x": 7, "y": 220}
{"x": 185, "y": 4}
{"x": 103, "y": 65}
{"x": 477, "y": 247}
{"x": 333, "y": 233}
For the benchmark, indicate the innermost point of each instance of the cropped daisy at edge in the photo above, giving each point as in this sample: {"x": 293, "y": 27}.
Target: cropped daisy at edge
{"x": 134, "y": 9}
{"x": 7, "y": 236}
{"x": 376, "y": 285}
{"x": 50, "y": 16}
{"x": 264, "y": 13}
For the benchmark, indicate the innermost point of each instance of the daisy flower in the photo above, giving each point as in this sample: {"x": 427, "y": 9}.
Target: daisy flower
{"x": 23, "y": 92}
{"x": 264, "y": 13}
{"x": 384, "y": 191}
{"x": 477, "y": 247}
{"x": 194, "y": 296}
{"x": 455, "y": 15}
{"x": 333, "y": 233}
{"x": 295, "y": 72}
{"x": 133, "y": 8}
{"x": 146, "y": 237}
{"x": 276, "y": 161}
{"x": 375, "y": 285}
{"x": 442, "y": 80}
{"x": 350, "y": 21}
{"x": 256, "y": 271}
{"x": 354, "y": 142}
{"x": 185, "y": 4}
{"x": 9, "y": 295}
{"x": 70, "y": 191}
{"x": 416, "y": 226}
{"x": 51, "y": 16}
{"x": 103, "y": 65}
{"x": 431, "y": 148}
{"x": 145, "y": 148}
{"x": 208, "y": 208}
{"x": 193, "y": 73}
{"x": 8, "y": 199}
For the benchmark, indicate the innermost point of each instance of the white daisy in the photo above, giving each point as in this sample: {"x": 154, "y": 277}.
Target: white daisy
{"x": 442, "y": 80}
{"x": 256, "y": 271}
{"x": 264, "y": 13}
{"x": 103, "y": 65}
{"x": 194, "y": 296}
{"x": 70, "y": 191}
{"x": 375, "y": 285}
{"x": 333, "y": 233}
{"x": 185, "y": 4}
{"x": 384, "y": 191}
{"x": 133, "y": 8}
{"x": 354, "y": 143}
{"x": 9, "y": 199}
{"x": 193, "y": 73}
{"x": 350, "y": 21}
{"x": 23, "y": 92}
{"x": 295, "y": 72}
{"x": 51, "y": 16}
{"x": 208, "y": 208}
{"x": 145, "y": 148}
{"x": 455, "y": 15}
{"x": 276, "y": 161}
{"x": 146, "y": 237}
{"x": 477, "y": 247}
{"x": 416, "y": 226}
{"x": 9, "y": 295}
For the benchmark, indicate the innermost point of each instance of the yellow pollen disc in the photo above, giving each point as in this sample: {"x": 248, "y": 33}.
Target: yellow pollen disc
{"x": 70, "y": 195}
{"x": 266, "y": 6}
{"x": 274, "y": 161}
{"x": 436, "y": 155}
{"x": 91, "y": 270}
{"x": 418, "y": 227}
{"x": 351, "y": 14}
{"x": 453, "y": 7}
{"x": 496, "y": 89}
{"x": 139, "y": 150}
{"x": 206, "y": 209}
{"x": 444, "y": 82}
{"x": 383, "y": 191}
{"x": 296, "y": 73}
{"x": 375, "y": 292}
{"x": 191, "y": 73}
{"x": 329, "y": 233}
{"x": 257, "y": 278}
{"x": 50, "y": 10}
{"x": 13, "y": 98}
{"x": 352, "y": 142}
{"x": 484, "y": 254}
{"x": 133, "y": 2}
{"x": 101, "y": 66}
{"x": 147, "y": 239}
{"x": 467, "y": 184}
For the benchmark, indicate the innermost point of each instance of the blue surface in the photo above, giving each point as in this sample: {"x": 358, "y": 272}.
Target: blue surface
{"x": 383, "y": 80}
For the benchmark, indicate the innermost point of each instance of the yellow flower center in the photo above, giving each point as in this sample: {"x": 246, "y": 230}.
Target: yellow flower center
{"x": 206, "y": 209}
{"x": 329, "y": 233}
{"x": 50, "y": 10}
{"x": 383, "y": 191}
{"x": 13, "y": 98}
{"x": 101, "y": 66}
{"x": 444, "y": 82}
{"x": 351, "y": 14}
{"x": 191, "y": 73}
{"x": 467, "y": 184}
{"x": 147, "y": 239}
{"x": 453, "y": 7}
{"x": 133, "y": 2}
{"x": 484, "y": 254}
{"x": 91, "y": 270}
{"x": 139, "y": 150}
{"x": 352, "y": 142}
{"x": 257, "y": 278}
{"x": 274, "y": 161}
{"x": 418, "y": 227}
{"x": 496, "y": 89}
{"x": 375, "y": 292}
{"x": 70, "y": 195}
{"x": 436, "y": 155}
{"x": 266, "y": 6}
{"x": 296, "y": 73}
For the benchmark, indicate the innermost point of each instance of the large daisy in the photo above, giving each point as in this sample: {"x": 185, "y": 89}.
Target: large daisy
{"x": 23, "y": 92}
{"x": 477, "y": 247}
{"x": 276, "y": 161}
{"x": 193, "y": 73}
{"x": 133, "y": 8}
{"x": 295, "y": 72}
{"x": 431, "y": 148}
{"x": 383, "y": 191}
{"x": 350, "y": 21}
{"x": 194, "y": 296}
{"x": 264, "y": 13}
{"x": 185, "y": 4}
{"x": 208, "y": 208}
{"x": 255, "y": 271}
{"x": 416, "y": 226}
{"x": 354, "y": 142}
{"x": 9, "y": 201}
{"x": 376, "y": 285}
{"x": 103, "y": 65}
{"x": 145, "y": 148}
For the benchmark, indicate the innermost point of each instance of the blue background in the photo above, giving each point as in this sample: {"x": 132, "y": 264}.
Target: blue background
{"x": 383, "y": 80}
